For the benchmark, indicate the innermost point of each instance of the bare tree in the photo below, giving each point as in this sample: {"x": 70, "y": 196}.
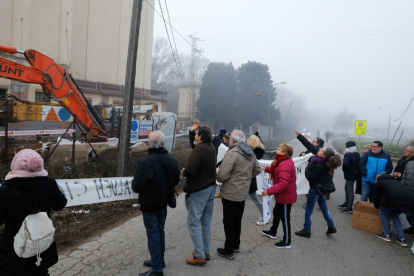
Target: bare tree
{"x": 345, "y": 120}
{"x": 163, "y": 71}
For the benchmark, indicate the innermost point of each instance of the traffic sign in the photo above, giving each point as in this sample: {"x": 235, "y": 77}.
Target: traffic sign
{"x": 360, "y": 127}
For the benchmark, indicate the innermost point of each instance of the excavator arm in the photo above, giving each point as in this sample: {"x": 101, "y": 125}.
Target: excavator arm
{"x": 56, "y": 82}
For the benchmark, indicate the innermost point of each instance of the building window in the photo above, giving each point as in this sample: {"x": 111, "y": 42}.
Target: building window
{"x": 41, "y": 97}
{"x": 181, "y": 126}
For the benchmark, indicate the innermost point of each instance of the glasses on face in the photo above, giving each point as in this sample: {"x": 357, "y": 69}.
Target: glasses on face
{"x": 375, "y": 146}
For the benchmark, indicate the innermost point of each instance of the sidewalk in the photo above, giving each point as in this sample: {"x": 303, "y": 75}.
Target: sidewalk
{"x": 122, "y": 250}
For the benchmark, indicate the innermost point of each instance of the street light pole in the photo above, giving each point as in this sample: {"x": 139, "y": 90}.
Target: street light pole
{"x": 269, "y": 121}
{"x": 287, "y": 118}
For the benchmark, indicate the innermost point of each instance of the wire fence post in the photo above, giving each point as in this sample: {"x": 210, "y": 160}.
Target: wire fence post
{"x": 74, "y": 138}
{"x": 6, "y": 135}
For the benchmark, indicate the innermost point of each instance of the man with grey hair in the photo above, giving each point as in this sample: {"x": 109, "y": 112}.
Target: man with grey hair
{"x": 408, "y": 157}
{"x": 239, "y": 166}
{"x": 156, "y": 176}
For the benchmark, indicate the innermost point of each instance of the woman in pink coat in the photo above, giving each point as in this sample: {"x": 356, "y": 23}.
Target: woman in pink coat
{"x": 283, "y": 174}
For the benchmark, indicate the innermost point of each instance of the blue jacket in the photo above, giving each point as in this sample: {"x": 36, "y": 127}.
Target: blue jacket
{"x": 372, "y": 164}
{"x": 350, "y": 165}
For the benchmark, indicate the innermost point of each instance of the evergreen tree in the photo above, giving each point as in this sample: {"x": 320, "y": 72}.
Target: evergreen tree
{"x": 217, "y": 95}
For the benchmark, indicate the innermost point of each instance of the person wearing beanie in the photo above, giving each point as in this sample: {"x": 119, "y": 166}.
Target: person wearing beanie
{"x": 26, "y": 184}
{"x": 350, "y": 169}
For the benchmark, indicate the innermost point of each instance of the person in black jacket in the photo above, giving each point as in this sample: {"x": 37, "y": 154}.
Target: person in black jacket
{"x": 319, "y": 171}
{"x": 219, "y": 139}
{"x": 200, "y": 188}
{"x": 408, "y": 157}
{"x": 392, "y": 198}
{"x": 317, "y": 142}
{"x": 25, "y": 185}
{"x": 258, "y": 148}
{"x": 350, "y": 169}
{"x": 156, "y": 176}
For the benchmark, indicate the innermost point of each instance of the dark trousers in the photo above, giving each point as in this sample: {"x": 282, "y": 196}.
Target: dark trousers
{"x": 232, "y": 219}
{"x": 281, "y": 212}
{"x": 154, "y": 224}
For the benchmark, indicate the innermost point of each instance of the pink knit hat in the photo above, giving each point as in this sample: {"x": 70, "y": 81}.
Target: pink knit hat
{"x": 26, "y": 163}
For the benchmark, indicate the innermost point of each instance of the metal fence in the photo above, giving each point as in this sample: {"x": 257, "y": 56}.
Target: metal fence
{"x": 56, "y": 141}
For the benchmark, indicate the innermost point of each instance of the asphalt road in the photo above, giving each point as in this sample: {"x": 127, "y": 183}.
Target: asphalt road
{"x": 122, "y": 250}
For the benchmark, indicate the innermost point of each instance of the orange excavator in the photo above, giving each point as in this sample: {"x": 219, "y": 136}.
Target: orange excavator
{"x": 57, "y": 83}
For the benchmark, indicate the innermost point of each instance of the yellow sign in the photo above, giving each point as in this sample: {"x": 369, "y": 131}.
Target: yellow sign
{"x": 360, "y": 127}
{"x": 66, "y": 101}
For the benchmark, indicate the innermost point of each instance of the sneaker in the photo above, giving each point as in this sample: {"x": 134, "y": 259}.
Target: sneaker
{"x": 402, "y": 242}
{"x": 331, "y": 231}
{"x": 236, "y": 250}
{"x": 222, "y": 253}
{"x": 269, "y": 234}
{"x": 206, "y": 255}
{"x": 342, "y": 206}
{"x": 346, "y": 211}
{"x": 383, "y": 237}
{"x": 217, "y": 196}
{"x": 260, "y": 222}
{"x": 303, "y": 233}
{"x": 282, "y": 244}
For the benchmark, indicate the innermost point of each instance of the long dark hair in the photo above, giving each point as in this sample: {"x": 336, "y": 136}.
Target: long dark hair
{"x": 334, "y": 160}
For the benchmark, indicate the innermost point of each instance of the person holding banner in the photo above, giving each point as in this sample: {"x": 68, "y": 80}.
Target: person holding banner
{"x": 319, "y": 173}
{"x": 258, "y": 148}
{"x": 283, "y": 173}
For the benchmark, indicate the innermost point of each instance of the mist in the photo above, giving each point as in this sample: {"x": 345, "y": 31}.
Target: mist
{"x": 350, "y": 55}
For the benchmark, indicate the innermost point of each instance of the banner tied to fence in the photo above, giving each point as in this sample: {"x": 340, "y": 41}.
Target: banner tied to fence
{"x": 100, "y": 190}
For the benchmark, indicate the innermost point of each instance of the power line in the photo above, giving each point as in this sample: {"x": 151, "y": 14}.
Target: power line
{"x": 411, "y": 101}
{"x": 172, "y": 49}
{"x": 195, "y": 49}
{"x": 172, "y": 33}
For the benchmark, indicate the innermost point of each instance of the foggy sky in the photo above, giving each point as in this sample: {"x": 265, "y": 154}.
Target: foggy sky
{"x": 337, "y": 54}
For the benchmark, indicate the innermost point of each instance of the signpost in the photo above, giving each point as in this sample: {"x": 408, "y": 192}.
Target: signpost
{"x": 360, "y": 129}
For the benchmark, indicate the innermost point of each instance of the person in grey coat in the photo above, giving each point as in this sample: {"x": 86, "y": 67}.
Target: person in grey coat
{"x": 408, "y": 181}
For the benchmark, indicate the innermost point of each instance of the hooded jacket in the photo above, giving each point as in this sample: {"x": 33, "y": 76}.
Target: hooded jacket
{"x": 390, "y": 192}
{"x": 284, "y": 182}
{"x": 239, "y": 166}
{"x": 408, "y": 176}
{"x": 350, "y": 165}
{"x": 370, "y": 165}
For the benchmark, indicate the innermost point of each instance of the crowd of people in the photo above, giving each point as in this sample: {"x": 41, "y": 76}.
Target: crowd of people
{"x": 28, "y": 190}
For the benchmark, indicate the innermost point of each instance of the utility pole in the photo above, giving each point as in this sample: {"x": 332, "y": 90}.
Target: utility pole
{"x": 131, "y": 68}
{"x": 193, "y": 69}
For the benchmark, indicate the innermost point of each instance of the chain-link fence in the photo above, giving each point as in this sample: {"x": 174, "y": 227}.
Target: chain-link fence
{"x": 56, "y": 141}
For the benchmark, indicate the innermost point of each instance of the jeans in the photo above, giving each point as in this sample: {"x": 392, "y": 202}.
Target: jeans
{"x": 410, "y": 218}
{"x": 257, "y": 201}
{"x": 312, "y": 198}
{"x": 395, "y": 212}
{"x": 367, "y": 192}
{"x": 349, "y": 194}
{"x": 154, "y": 224}
{"x": 200, "y": 211}
{"x": 232, "y": 220}
{"x": 281, "y": 212}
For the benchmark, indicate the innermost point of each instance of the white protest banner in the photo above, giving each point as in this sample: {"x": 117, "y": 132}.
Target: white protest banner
{"x": 302, "y": 184}
{"x": 222, "y": 149}
{"x": 267, "y": 200}
{"x": 96, "y": 190}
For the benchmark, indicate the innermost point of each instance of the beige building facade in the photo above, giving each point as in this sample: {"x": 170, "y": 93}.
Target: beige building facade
{"x": 90, "y": 38}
